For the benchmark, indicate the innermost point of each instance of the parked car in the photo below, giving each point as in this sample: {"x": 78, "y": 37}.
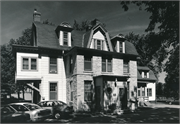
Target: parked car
{"x": 23, "y": 112}
{"x": 58, "y": 108}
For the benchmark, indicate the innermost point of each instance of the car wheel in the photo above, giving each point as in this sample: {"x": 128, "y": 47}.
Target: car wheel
{"x": 57, "y": 115}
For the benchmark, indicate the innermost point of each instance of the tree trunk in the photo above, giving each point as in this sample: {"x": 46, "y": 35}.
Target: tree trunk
{"x": 18, "y": 95}
{"x": 23, "y": 94}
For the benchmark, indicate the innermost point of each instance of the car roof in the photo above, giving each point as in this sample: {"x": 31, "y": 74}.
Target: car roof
{"x": 22, "y": 103}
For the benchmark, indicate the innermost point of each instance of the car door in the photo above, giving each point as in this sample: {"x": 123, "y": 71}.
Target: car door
{"x": 47, "y": 105}
{"x": 9, "y": 115}
{"x": 6, "y": 114}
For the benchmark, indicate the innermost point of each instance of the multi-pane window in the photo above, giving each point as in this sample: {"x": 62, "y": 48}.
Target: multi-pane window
{"x": 87, "y": 91}
{"x": 120, "y": 46}
{"x": 29, "y": 64}
{"x": 53, "y": 65}
{"x": 98, "y": 44}
{"x": 126, "y": 67}
{"x": 33, "y": 64}
{"x": 72, "y": 91}
{"x": 53, "y": 91}
{"x": 149, "y": 92}
{"x": 26, "y": 63}
{"x": 87, "y": 63}
{"x": 106, "y": 65}
{"x": 65, "y": 38}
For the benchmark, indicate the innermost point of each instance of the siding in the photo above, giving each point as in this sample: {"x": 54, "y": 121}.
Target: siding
{"x": 43, "y": 75}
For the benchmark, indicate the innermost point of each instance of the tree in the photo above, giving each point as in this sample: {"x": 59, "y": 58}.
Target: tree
{"x": 86, "y": 25}
{"x": 8, "y": 62}
{"x": 165, "y": 17}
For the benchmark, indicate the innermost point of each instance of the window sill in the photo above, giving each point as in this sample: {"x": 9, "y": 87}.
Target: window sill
{"x": 53, "y": 73}
{"x": 86, "y": 71}
{"x": 30, "y": 70}
{"x": 107, "y": 73}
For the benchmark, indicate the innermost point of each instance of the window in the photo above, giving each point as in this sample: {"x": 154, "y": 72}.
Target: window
{"x": 70, "y": 64}
{"x": 143, "y": 93}
{"x": 126, "y": 67}
{"x": 106, "y": 65}
{"x": 19, "y": 108}
{"x": 53, "y": 65}
{"x": 87, "y": 91}
{"x": 139, "y": 92}
{"x": 72, "y": 91}
{"x": 65, "y": 38}
{"x": 120, "y": 46}
{"x": 87, "y": 63}
{"x": 98, "y": 44}
{"x": 145, "y": 74}
{"x": 29, "y": 64}
{"x": 25, "y": 63}
{"x": 149, "y": 92}
{"x": 53, "y": 91}
{"x": 33, "y": 64}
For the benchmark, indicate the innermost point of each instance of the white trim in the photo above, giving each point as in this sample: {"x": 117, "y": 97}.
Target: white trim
{"x": 123, "y": 47}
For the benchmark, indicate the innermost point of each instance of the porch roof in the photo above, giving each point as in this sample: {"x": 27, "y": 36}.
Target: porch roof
{"x": 119, "y": 77}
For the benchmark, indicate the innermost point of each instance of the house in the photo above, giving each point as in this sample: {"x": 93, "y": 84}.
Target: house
{"x": 146, "y": 84}
{"x": 78, "y": 67}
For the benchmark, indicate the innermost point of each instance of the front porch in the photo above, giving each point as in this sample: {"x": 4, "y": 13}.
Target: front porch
{"x": 29, "y": 89}
{"x": 111, "y": 91}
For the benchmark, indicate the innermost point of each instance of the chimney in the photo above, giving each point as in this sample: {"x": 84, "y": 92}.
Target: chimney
{"x": 36, "y": 16}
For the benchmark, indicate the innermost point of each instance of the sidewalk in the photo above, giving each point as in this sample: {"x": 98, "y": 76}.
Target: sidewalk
{"x": 163, "y": 105}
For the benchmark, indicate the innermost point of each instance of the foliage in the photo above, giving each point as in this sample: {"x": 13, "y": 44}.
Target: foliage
{"x": 172, "y": 68}
{"x": 47, "y": 22}
{"x": 86, "y": 25}
{"x": 165, "y": 18}
{"x": 8, "y": 62}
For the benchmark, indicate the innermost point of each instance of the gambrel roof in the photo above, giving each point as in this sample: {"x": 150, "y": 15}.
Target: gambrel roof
{"x": 46, "y": 36}
{"x": 151, "y": 74}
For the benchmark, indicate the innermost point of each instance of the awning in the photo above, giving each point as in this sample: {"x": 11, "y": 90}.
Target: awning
{"x": 118, "y": 77}
{"x": 33, "y": 87}
{"x": 146, "y": 82}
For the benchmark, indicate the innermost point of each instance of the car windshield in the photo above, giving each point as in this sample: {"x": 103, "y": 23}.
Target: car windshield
{"x": 32, "y": 106}
{"x": 61, "y": 103}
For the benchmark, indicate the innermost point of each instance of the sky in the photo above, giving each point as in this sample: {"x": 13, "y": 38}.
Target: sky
{"x": 16, "y": 16}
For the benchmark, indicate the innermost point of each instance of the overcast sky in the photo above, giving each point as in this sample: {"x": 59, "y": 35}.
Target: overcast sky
{"x": 18, "y": 15}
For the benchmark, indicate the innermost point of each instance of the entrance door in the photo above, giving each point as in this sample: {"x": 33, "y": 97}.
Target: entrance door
{"x": 53, "y": 91}
{"x": 98, "y": 97}
{"x": 123, "y": 97}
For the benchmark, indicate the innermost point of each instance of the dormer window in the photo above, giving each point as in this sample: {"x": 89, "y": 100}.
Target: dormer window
{"x": 145, "y": 74}
{"x": 120, "y": 46}
{"x": 98, "y": 44}
{"x": 63, "y": 32}
{"x": 65, "y": 38}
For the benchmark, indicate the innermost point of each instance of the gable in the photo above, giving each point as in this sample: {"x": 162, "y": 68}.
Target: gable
{"x": 99, "y": 35}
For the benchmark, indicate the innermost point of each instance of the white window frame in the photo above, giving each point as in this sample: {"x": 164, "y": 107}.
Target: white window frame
{"x": 53, "y": 64}
{"x": 29, "y": 63}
